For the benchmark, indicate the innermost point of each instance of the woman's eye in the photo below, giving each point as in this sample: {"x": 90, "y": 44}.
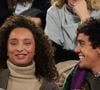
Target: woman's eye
{"x": 27, "y": 43}
{"x": 13, "y": 43}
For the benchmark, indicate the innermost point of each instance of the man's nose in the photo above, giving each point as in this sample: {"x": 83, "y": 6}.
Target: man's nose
{"x": 77, "y": 49}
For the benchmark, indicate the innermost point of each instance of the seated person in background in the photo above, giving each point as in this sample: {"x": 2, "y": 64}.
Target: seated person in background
{"x": 35, "y": 15}
{"x": 23, "y": 5}
{"x": 86, "y": 74}
{"x": 26, "y": 57}
{"x": 62, "y": 21}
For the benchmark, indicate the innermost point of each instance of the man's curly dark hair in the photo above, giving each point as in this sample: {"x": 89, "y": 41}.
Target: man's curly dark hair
{"x": 44, "y": 58}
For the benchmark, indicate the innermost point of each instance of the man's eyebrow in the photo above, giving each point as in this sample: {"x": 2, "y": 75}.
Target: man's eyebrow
{"x": 80, "y": 41}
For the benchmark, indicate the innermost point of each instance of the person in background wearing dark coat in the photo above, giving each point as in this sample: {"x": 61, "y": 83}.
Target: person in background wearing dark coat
{"x": 35, "y": 15}
{"x": 24, "y": 5}
{"x": 43, "y": 5}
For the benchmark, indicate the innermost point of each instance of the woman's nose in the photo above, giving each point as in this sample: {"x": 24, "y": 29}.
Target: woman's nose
{"x": 20, "y": 47}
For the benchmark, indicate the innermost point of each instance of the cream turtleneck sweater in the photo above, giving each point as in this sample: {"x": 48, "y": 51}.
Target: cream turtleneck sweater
{"x": 22, "y": 78}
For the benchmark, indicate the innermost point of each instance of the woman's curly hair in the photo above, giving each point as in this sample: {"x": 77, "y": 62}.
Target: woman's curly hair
{"x": 44, "y": 57}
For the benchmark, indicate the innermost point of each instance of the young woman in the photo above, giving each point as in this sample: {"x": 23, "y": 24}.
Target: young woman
{"x": 26, "y": 57}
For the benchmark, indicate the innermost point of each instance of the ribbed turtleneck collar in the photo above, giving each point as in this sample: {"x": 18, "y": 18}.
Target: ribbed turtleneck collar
{"x": 21, "y": 72}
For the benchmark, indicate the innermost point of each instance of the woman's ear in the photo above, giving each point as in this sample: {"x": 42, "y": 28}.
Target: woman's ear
{"x": 98, "y": 50}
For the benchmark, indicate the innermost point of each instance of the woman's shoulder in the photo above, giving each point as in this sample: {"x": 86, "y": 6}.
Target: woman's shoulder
{"x": 4, "y": 72}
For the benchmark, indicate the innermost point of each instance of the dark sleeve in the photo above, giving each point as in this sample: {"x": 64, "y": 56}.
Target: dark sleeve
{"x": 43, "y": 5}
{"x": 63, "y": 54}
{"x": 49, "y": 85}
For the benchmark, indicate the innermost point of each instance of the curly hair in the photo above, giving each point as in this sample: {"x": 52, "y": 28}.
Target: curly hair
{"x": 44, "y": 57}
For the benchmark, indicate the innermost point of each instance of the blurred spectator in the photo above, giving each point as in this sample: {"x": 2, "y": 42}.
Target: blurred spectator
{"x": 35, "y": 15}
{"x": 43, "y": 5}
{"x": 62, "y": 20}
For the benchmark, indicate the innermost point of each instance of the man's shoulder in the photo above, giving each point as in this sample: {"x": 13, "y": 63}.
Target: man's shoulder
{"x": 66, "y": 65}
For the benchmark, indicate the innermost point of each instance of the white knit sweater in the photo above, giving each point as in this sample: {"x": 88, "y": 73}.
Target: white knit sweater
{"x": 22, "y": 78}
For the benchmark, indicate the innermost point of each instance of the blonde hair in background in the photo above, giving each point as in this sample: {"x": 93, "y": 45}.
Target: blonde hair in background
{"x": 91, "y": 4}
{"x": 95, "y": 4}
{"x": 58, "y": 3}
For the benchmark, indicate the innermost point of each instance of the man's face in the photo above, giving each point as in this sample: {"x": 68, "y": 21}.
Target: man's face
{"x": 88, "y": 56}
{"x": 21, "y": 47}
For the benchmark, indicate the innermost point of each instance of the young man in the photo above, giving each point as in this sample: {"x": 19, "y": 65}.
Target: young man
{"x": 86, "y": 75}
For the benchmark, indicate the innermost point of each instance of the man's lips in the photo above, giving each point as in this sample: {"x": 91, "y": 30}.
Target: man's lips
{"x": 81, "y": 57}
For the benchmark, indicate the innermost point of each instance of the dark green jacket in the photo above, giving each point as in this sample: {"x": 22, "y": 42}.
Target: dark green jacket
{"x": 91, "y": 82}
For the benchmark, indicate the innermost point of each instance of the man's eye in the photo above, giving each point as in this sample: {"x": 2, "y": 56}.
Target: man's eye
{"x": 82, "y": 43}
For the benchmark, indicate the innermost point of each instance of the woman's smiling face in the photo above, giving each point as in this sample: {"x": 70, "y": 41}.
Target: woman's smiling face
{"x": 21, "y": 46}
